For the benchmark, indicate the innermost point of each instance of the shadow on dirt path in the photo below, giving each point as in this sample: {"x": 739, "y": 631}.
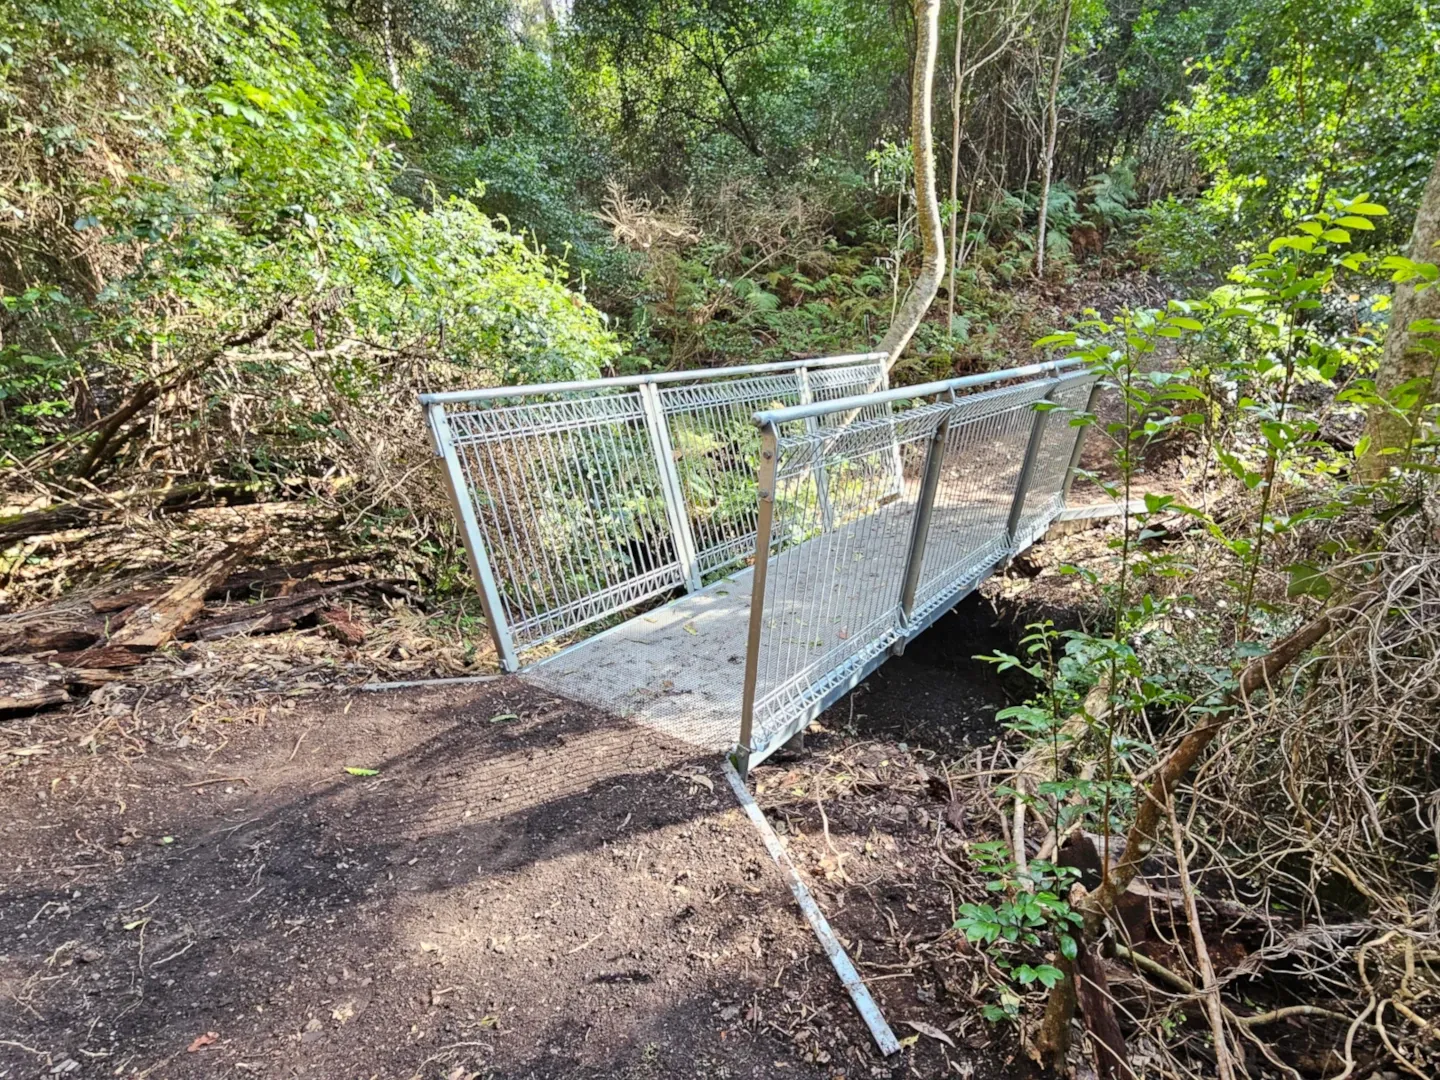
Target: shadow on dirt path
{"x": 524, "y": 888}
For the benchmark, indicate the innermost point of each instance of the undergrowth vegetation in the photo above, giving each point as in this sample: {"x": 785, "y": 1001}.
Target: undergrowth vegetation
{"x": 1282, "y": 607}
{"x": 237, "y": 239}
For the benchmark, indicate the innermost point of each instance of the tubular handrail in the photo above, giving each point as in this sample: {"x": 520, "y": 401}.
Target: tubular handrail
{"x": 621, "y": 382}
{"x": 906, "y": 393}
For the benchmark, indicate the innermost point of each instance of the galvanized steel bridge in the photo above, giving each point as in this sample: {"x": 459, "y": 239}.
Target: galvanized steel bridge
{"x": 804, "y": 520}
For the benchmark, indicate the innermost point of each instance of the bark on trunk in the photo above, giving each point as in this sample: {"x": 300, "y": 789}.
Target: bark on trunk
{"x": 387, "y": 39}
{"x": 1403, "y": 359}
{"x": 927, "y": 203}
{"x": 1052, "y": 119}
{"x": 955, "y": 161}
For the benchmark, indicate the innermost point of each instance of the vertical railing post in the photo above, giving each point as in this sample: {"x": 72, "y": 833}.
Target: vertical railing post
{"x": 462, "y": 499}
{"x": 920, "y": 527}
{"x": 769, "y": 451}
{"x": 812, "y": 427}
{"x": 670, "y": 487}
{"x": 1079, "y": 443}
{"x": 1027, "y": 472}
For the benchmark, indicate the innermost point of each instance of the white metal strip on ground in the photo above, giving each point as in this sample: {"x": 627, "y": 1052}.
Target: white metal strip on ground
{"x": 404, "y": 683}
{"x": 854, "y": 985}
{"x": 1097, "y": 511}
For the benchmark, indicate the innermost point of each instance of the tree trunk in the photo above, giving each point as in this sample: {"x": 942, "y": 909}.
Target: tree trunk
{"x": 927, "y": 204}
{"x": 955, "y": 160}
{"x": 387, "y": 40}
{"x": 1404, "y": 359}
{"x": 1052, "y": 120}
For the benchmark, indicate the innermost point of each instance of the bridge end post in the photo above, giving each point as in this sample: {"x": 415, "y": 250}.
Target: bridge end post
{"x": 769, "y": 452}
{"x": 443, "y": 443}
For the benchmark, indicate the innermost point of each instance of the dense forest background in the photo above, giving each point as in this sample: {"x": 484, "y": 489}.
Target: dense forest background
{"x": 233, "y": 235}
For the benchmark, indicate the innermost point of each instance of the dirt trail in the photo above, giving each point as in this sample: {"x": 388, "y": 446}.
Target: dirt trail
{"x": 525, "y": 888}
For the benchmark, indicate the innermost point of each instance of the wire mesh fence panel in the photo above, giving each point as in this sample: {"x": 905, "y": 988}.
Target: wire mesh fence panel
{"x": 835, "y": 385}
{"x": 832, "y": 384}
{"x": 835, "y": 568}
{"x": 570, "y": 501}
{"x": 984, "y": 450}
{"x": 1045, "y": 496}
{"x": 716, "y": 449}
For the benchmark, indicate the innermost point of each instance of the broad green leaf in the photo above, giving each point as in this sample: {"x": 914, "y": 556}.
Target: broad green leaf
{"x": 1307, "y": 580}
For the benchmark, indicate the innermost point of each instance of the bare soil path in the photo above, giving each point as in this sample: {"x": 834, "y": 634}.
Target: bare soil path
{"x": 525, "y": 888}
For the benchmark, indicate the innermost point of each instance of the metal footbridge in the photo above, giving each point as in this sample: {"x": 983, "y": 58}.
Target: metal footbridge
{"x": 744, "y": 545}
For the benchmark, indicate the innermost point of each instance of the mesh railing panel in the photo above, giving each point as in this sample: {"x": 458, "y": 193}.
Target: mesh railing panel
{"x": 717, "y": 449}
{"x": 1044, "y": 499}
{"x": 832, "y": 585}
{"x": 984, "y": 451}
{"x": 590, "y": 498}
{"x": 848, "y": 536}
{"x": 569, "y": 498}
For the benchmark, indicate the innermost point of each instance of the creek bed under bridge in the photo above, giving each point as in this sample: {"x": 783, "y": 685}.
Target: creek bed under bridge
{"x": 808, "y": 520}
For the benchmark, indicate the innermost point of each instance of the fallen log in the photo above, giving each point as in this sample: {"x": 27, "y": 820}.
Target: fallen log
{"x": 250, "y": 582}
{"x": 153, "y": 624}
{"x": 39, "y": 639}
{"x": 92, "y": 509}
{"x": 338, "y": 623}
{"x": 29, "y": 683}
{"x": 270, "y": 616}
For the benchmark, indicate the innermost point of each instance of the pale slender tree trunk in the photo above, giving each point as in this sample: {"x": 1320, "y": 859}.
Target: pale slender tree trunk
{"x": 1052, "y": 121}
{"x": 1404, "y": 360}
{"x": 958, "y": 262}
{"x": 927, "y": 202}
{"x": 955, "y": 97}
{"x": 387, "y": 39}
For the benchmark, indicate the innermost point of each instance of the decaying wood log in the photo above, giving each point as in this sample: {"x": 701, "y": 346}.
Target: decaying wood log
{"x": 339, "y": 625}
{"x": 38, "y": 639}
{"x": 269, "y": 616}
{"x": 29, "y": 683}
{"x": 279, "y": 579}
{"x": 266, "y": 617}
{"x": 155, "y": 624}
{"x": 92, "y": 509}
